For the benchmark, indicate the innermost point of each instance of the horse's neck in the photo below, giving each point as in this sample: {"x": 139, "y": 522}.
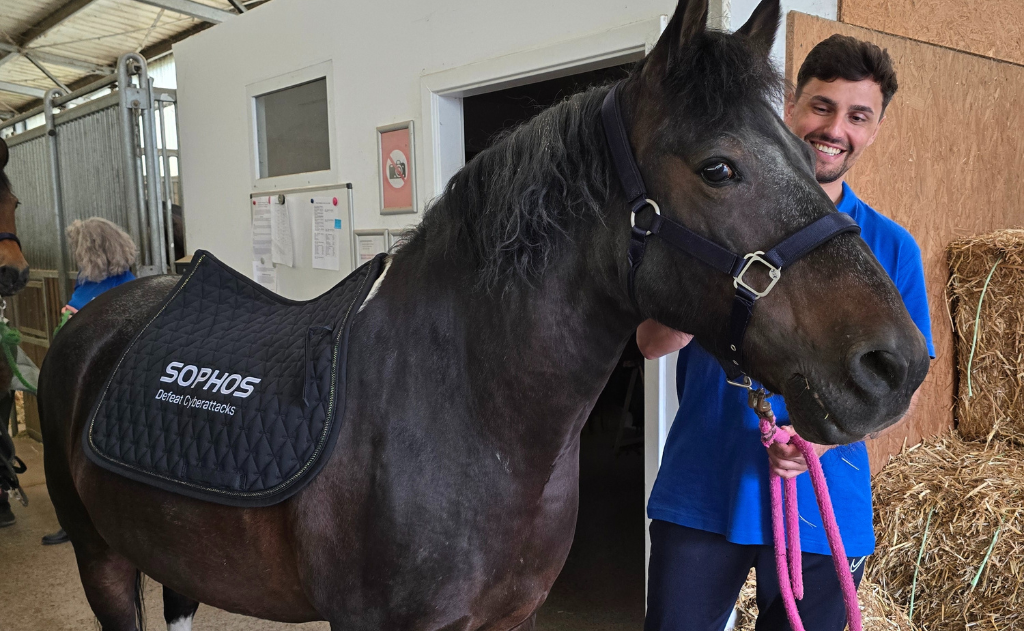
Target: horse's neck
{"x": 537, "y": 358}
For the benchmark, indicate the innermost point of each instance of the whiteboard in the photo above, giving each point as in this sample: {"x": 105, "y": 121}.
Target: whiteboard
{"x": 302, "y": 281}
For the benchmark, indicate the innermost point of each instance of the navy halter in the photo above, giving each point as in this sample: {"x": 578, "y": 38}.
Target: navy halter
{"x": 682, "y": 238}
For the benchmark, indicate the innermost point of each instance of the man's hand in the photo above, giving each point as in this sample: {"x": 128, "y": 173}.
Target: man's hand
{"x": 786, "y": 460}
{"x": 657, "y": 340}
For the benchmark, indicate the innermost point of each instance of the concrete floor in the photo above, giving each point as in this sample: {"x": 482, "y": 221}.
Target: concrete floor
{"x": 601, "y": 588}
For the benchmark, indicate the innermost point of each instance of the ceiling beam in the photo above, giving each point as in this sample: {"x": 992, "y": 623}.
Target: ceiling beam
{"x": 192, "y": 9}
{"x": 58, "y": 60}
{"x": 49, "y": 75}
{"x": 72, "y": 86}
{"x": 9, "y": 57}
{"x": 51, "y": 21}
{"x": 24, "y": 90}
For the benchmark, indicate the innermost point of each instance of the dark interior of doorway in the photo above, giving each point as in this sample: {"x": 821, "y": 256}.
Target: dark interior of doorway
{"x": 601, "y": 586}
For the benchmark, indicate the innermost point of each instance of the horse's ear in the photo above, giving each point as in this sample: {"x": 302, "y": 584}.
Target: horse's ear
{"x": 689, "y": 20}
{"x": 4, "y": 154}
{"x": 763, "y": 23}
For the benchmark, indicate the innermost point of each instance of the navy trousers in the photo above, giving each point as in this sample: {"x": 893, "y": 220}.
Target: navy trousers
{"x": 695, "y": 577}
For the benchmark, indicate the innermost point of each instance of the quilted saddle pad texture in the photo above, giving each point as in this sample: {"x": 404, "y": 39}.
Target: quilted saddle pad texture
{"x": 230, "y": 393}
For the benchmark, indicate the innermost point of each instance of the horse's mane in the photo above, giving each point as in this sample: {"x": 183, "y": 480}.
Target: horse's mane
{"x": 512, "y": 208}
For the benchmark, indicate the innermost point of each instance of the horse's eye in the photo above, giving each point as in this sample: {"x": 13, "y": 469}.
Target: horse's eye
{"x": 717, "y": 173}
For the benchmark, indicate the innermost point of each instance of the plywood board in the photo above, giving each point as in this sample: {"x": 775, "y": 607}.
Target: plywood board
{"x": 947, "y": 163}
{"x": 993, "y": 28}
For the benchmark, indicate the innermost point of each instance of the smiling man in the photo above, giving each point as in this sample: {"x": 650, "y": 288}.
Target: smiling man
{"x": 710, "y": 504}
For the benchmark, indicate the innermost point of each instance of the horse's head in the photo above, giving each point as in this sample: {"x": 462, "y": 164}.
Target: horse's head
{"x": 13, "y": 266}
{"x": 833, "y": 335}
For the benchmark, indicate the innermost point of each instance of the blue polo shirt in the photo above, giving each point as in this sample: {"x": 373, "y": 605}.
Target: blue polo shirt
{"x": 86, "y": 290}
{"x": 714, "y": 471}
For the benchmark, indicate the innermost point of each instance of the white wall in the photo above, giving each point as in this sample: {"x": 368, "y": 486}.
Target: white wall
{"x": 740, "y": 10}
{"x": 379, "y": 52}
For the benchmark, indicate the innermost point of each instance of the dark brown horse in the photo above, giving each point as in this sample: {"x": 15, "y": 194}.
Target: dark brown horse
{"x": 13, "y": 266}
{"x": 450, "y": 500}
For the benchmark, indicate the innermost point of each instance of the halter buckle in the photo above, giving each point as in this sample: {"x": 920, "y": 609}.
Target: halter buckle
{"x": 774, "y": 273}
{"x": 657, "y": 211}
{"x": 744, "y": 383}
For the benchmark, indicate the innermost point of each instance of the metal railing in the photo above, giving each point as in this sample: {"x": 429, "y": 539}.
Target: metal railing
{"x": 110, "y": 157}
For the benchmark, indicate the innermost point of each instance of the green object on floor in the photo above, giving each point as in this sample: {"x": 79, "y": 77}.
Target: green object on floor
{"x": 10, "y": 339}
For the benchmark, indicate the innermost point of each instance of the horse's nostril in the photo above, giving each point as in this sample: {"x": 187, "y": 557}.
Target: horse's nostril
{"x": 12, "y": 278}
{"x": 879, "y": 371}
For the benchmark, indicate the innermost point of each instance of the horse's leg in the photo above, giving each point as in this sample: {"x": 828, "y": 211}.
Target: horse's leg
{"x": 112, "y": 586}
{"x": 178, "y": 610}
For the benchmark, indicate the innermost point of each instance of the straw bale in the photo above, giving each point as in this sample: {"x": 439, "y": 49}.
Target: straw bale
{"x": 971, "y": 490}
{"x": 991, "y": 403}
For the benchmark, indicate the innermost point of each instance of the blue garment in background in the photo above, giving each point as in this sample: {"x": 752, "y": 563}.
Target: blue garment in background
{"x": 714, "y": 471}
{"x": 86, "y": 290}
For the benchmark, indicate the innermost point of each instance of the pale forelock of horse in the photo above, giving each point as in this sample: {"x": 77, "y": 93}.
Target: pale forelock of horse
{"x": 514, "y": 205}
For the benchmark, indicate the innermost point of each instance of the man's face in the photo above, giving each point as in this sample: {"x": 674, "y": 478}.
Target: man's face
{"x": 839, "y": 119}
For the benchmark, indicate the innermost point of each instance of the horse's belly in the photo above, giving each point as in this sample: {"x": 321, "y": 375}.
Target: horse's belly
{"x": 234, "y": 559}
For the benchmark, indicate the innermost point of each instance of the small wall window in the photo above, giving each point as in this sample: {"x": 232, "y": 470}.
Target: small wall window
{"x": 292, "y": 130}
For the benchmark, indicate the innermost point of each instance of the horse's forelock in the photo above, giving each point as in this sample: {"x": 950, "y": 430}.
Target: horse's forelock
{"x": 711, "y": 79}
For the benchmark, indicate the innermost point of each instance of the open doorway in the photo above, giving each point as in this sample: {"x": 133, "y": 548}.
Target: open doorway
{"x": 601, "y": 586}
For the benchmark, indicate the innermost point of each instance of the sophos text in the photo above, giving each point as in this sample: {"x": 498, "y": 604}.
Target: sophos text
{"x": 190, "y": 376}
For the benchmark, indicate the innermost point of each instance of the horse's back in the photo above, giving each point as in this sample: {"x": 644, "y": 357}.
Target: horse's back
{"x": 81, "y": 356}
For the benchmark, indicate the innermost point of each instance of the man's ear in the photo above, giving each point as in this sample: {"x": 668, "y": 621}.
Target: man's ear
{"x": 763, "y": 23}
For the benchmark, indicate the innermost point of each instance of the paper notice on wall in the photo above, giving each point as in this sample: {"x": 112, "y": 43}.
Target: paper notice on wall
{"x": 281, "y": 232}
{"x": 261, "y": 233}
{"x": 326, "y": 223}
{"x": 265, "y": 275}
{"x": 370, "y": 245}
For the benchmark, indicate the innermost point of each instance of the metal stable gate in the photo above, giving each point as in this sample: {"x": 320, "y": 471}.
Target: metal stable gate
{"x": 93, "y": 158}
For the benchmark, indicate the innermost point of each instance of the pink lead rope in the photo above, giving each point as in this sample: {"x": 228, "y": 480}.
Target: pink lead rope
{"x": 791, "y": 582}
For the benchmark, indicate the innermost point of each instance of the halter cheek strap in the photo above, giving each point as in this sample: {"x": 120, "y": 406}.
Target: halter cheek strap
{"x": 682, "y": 238}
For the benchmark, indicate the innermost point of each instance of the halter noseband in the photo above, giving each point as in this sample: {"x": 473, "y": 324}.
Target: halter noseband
{"x": 784, "y": 254}
{"x": 10, "y": 236}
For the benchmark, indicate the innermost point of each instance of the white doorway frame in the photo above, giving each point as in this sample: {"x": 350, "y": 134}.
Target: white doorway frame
{"x": 441, "y": 93}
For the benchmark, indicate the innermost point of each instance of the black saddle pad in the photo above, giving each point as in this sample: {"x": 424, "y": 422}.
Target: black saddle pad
{"x": 231, "y": 393}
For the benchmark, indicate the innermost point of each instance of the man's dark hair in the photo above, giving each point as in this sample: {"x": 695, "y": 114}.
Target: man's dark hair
{"x": 844, "y": 57}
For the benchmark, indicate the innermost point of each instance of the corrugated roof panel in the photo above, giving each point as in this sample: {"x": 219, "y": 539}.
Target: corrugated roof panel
{"x": 99, "y": 34}
{"x": 10, "y": 103}
{"x": 24, "y": 72}
{"x": 18, "y": 15}
{"x": 109, "y": 28}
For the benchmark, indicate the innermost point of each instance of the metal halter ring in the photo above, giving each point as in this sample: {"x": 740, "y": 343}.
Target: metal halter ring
{"x": 745, "y": 383}
{"x": 774, "y": 273}
{"x": 657, "y": 211}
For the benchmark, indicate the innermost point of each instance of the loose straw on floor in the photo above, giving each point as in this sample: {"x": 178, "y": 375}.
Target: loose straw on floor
{"x": 917, "y": 567}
